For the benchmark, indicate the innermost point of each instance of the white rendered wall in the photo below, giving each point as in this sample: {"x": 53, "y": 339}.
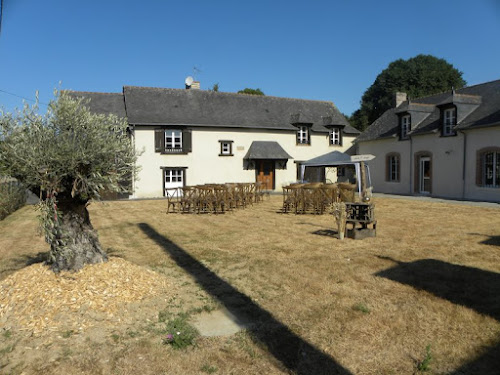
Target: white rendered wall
{"x": 204, "y": 165}
{"x": 476, "y": 140}
{"x": 380, "y": 149}
{"x": 446, "y": 163}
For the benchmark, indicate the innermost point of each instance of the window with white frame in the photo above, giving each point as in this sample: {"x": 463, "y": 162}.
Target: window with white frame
{"x": 173, "y": 139}
{"x": 335, "y": 137}
{"x": 449, "y": 121}
{"x": 491, "y": 169}
{"x": 405, "y": 126}
{"x": 393, "y": 167}
{"x": 226, "y": 148}
{"x": 173, "y": 175}
{"x": 303, "y": 135}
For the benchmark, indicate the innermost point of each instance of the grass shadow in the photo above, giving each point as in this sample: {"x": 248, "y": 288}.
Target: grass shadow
{"x": 492, "y": 240}
{"x": 294, "y": 353}
{"x": 471, "y": 287}
{"x": 326, "y": 232}
{"x": 15, "y": 264}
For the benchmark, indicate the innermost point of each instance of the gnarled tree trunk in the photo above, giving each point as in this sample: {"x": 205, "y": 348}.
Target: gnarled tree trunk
{"x": 76, "y": 242}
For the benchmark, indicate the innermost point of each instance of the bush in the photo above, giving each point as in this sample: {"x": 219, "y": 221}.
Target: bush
{"x": 12, "y": 197}
{"x": 180, "y": 334}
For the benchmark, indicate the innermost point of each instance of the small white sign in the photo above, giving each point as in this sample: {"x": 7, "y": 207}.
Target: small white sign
{"x": 365, "y": 157}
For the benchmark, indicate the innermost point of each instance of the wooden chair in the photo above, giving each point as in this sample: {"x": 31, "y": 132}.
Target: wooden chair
{"x": 189, "y": 200}
{"x": 329, "y": 195}
{"x": 347, "y": 192}
{"x": 173, "y": 199}
{"x": 292, "y": 198}
{"x": 312, "y": 198}
{"x": 220, "y": 202}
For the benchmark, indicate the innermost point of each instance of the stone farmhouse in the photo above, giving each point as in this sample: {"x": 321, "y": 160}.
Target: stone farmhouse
{"x": 445, "y": 145}
{"x": 192, "y": 136}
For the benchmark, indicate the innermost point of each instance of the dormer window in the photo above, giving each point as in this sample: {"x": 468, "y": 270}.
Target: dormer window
{"x": 449, "y": 121}
{"x": 335, "y": 137}
{"x": 405, "y": 126}
{"x": 303, "y": 136}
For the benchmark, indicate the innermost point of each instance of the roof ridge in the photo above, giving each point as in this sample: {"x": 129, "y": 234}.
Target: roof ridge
{"x": 94, "y": 92}
{"x": 456, "y": 91}
{"x": 234, "y": 94}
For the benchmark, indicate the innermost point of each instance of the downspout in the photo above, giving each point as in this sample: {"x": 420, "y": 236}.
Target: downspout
{"x": 464, "y": 163}
{"x": 411, "y": 165}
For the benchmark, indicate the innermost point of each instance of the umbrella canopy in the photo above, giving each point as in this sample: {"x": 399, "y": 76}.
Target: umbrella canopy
{"x": 330, "y": 159}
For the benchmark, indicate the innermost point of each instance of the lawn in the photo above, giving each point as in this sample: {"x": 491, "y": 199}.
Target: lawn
{"x": 427, "y": 287}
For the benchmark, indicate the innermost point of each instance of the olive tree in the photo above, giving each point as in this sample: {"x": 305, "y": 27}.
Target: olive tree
{"x": 68, "y": 157}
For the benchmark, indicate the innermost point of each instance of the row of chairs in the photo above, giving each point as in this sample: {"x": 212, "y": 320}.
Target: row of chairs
{"x": 316, "y": 198}
{"x": 213, "y": 198}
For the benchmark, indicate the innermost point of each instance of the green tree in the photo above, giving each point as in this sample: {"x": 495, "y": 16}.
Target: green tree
{"x": 251, "y": 91}
{"x": 67, "y": 157}
{"x": 418, "y": 76}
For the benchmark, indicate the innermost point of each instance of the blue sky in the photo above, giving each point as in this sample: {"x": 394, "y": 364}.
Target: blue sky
{"x": 324, "y": 50}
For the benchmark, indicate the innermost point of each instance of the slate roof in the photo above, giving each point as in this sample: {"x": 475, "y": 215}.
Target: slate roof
{"x": 102, "y": 102}
{"x": 477, "y": 106}
{"x": 162, "y": 106}
{"x": 266, "y": 150}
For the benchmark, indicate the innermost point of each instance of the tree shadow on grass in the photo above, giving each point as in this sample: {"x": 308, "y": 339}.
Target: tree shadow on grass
{"x": 492, "y": 240}
{"x": 471, "y": 287}
{"x": 15, "y": 264}
{"x": 294, "y": 353}
{"x": 326, "y": 233}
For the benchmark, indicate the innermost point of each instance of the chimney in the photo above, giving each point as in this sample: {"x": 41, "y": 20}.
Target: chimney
{"x": 399, "y": 98}
{"x": 195, "y": 85}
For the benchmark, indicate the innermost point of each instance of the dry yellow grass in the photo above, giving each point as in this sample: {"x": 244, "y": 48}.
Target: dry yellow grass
{"x": 431, "y": 276}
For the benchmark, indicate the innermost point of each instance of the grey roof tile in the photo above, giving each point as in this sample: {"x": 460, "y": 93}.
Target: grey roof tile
{"x": 147, "y": 105}
{"x": 479, "y": 106}
{"x": 266, "y": 150}
{"x": 102, "y": 102}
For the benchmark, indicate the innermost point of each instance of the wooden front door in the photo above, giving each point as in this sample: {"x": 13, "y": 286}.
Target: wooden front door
{"x": 265, "y": 173}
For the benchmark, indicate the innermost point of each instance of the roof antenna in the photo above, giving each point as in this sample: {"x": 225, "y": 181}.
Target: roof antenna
{"x": 196, "y": 70}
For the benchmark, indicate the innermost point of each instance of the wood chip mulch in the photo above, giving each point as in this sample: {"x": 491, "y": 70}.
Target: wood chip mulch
{"x": 38, "y": 301}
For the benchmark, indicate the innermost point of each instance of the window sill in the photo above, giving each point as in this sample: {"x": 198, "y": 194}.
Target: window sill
{"x": 226, "y": 154}
{"x": 303, "y": 144}
{"x": 174, "y": 151}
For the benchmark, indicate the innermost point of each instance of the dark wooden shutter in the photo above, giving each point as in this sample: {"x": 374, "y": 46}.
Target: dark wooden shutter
{"x": 297, "y": 136}
{"x": 341, "y": 137}
{"x": 308, "y": 135}
{"x": 186, "y": 141}
{"x": 159, "y": 140}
